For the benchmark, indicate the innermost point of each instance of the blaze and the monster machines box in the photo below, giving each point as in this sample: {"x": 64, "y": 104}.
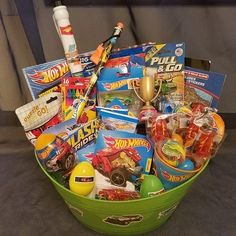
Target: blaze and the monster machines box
{"x": 203, "y": 86}
{"x": 124, "y": 151}
{"x": 77, "y": 135}
{"x": 165, "y": 62}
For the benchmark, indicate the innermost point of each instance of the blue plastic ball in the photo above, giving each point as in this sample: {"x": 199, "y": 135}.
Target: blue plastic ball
{"x": 186, "y": 165}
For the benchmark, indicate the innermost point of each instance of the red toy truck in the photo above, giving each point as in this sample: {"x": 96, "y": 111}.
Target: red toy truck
{"x": 120, "y": 165}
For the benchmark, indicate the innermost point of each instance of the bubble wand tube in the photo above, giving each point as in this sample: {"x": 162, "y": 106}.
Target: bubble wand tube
{"x": 103, "y": 59}
{"x": 64, "y": 30}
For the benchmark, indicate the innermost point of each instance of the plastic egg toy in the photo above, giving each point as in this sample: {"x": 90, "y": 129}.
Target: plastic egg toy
{"x": 151, "y": 186}
{"x": 82, "y": 179}
{"x": 186, "y": 165}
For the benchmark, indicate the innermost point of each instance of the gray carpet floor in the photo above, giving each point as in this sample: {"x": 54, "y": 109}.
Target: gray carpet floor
{"x": 29, "y": 205}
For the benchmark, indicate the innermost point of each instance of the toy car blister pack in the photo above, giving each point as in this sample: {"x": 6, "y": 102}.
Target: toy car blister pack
{"x": 122, "y": 156}
{"x": 116, "y": 121}
{"x": 116, "y": 85}
{"x": 165, "y": 62}
{"x": 203, "y": 86}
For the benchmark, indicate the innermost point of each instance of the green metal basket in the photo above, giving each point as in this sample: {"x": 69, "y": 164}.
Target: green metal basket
{"x": 124, "y": 217}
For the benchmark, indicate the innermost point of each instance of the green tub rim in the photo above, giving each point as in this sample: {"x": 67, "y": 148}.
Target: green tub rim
{"x": 118, "y": 202}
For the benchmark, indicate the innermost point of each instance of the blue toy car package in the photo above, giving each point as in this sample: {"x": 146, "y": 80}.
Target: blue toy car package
{"x": 203, "y": 86}
{"x": 114, "y": 85}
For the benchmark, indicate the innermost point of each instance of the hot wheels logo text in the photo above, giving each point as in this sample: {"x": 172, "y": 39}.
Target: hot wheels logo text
{"x": 50, "y": 75}
{"x": 127, "y": 142}
{"x": 115, "y": 85}
{"x": 175, "y": 178}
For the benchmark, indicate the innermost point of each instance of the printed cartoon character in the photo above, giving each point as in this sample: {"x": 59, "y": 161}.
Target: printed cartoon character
{"x": 120, "y": 165}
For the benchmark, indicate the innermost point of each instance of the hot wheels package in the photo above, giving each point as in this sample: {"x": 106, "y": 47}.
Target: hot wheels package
{"x": 203, "y": 86}
{"x": 122, "y": 154}
{"x": 165, "y": 62}
{"x": 47, "y": 76}
{"x": 86, "y": 153}
{"x": 116, "y": 121}
{"x": 114, "y": 85}
{"x": 77, "y": 135}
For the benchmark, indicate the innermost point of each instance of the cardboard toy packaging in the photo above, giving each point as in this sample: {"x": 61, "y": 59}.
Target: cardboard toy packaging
{"x": 77, "y": 135}
{"x": 45, "y": 78}
{"x": 121, "y": 153}
{"x": 114, "y": 84}
{"x": 203, "y": 86}
{"x": 165, "y": 63}
{"x": 40, "y": 114}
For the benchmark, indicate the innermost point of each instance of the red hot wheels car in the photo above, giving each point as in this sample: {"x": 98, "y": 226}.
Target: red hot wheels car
{"x": 118, "y": 164}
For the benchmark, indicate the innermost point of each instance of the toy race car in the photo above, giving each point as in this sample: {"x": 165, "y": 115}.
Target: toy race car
{"x": 126, "y": 100}
{"x": 57, "y": 156}
{"x": 120, "y": 165}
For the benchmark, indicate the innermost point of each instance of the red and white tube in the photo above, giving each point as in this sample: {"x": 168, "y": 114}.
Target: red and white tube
{"x": 64, "y": 30}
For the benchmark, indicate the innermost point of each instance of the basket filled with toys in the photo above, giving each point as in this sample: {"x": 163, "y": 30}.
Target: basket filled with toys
{"x": 122, "y": 134}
